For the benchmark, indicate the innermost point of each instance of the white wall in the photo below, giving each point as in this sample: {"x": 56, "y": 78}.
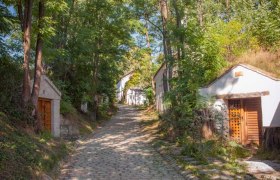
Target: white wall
{"x": 55, "y": 118}
{"x": 48, "y": 89}
{"x": 121, "y": 85}
{"x": 158, "y": 79}
{"x": 251, "y": 81}
{"x": 135, "y": 97}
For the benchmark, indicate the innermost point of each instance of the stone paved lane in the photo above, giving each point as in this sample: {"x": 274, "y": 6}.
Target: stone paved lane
{"x": 118, "y": 151}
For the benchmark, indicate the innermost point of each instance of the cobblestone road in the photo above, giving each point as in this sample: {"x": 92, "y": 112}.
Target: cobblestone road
{"x": 118, "y": 151}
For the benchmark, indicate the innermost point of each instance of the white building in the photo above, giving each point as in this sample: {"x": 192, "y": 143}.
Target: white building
{"x": 252, "y": 98}
{"x": 121, "y": 86}
{"x": 49, "y": 105}
{"x": 135, "y": 96}
{"x": 160, "y": 86}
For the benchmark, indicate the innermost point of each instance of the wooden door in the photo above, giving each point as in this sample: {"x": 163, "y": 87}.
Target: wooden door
{"x": 235, "y": 116}
{"x": 44, "y": 108}
{"x": 245, "y": 120}
{"x": 253, "y": 120}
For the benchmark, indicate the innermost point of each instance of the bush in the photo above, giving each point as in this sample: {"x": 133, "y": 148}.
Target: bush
{"x": 66, "y": 107}
{"x": 150, "y": 95}
{"x": 103, "y": 110}
{"x": 11, "y": 80}
{"x": 236, "y": 150}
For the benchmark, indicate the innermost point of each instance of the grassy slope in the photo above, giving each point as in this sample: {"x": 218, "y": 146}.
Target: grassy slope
{"x": 265, "y": 60}
{"x": 24, "y": 155}
{"x": 84, "y": 121}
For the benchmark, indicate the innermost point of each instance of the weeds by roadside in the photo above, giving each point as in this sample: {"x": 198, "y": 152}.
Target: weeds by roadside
{"x": 208, "y": 159}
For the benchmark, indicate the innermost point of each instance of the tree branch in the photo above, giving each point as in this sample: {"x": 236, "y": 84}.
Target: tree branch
{"x": 20, "y": 15}
{"x": 158, "y": 28}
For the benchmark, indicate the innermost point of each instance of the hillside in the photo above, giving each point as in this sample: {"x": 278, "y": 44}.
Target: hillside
{"x": 24, "y": 155}
{"x": 265, "y": 60}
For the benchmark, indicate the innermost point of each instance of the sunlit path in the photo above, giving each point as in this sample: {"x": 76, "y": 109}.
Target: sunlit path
{"x": 118, "y": 151}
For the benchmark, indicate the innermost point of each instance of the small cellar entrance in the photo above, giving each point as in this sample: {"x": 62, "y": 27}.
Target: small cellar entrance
{"x": 44, "y": 108}
{"x": 245, "y": 120}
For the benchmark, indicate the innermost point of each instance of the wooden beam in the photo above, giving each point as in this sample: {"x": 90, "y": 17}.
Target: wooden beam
{"x": 242, "y": 95}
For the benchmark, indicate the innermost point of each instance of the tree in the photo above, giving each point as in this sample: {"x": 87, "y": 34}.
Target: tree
{"x": 25, "y": 21}
{"x": 38, "y": 66}
{"x": 166, "y": 41}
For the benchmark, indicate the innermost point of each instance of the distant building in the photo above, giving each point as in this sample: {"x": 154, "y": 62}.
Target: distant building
{"x": 132, "y": 96}
{"x": 135, "y": 96}
{"x": 121, "y": 86}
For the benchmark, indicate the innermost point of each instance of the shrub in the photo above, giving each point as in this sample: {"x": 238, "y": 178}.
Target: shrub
{"x": 66, "y": 107}
{"x": 11, "y": 80}
{"x": 103, "y": 110}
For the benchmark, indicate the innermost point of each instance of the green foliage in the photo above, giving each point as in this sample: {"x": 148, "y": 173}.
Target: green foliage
{"x": 103, "y": 110}
{"x": 66, "y": 107}
{"x": 201, "y": 63}
{"x": 149, "y": 92}
{"x": 236, "y": 150}
{"x": 92, "y": 41}
{"x": 231, "y": 38}
{"x": 45, "y": 136}
{"x": 7, "y": 23}
{"x": 10, "y": 96}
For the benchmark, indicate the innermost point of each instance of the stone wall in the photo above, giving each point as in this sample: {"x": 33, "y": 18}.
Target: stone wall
{"x": 271, "y": 139}
{"x": 68, "y": 128}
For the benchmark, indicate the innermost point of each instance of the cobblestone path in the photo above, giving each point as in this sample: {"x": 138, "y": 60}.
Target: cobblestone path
{"x": 118, "y": 151}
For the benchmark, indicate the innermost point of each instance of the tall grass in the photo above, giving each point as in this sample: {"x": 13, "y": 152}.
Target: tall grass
{"x": 266, "y": 60}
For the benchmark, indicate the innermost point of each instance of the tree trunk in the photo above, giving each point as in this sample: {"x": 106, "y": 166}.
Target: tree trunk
{"x": 151, "y": 63}
{"x": 20, "y": 15}
{"x": 228, "y": 10}
{"x": 164, "y": 16}
{"x": 26, "y": 47}
{"x": 166, "y": 41}
{"x": 181, "y": 44}
{"x": 38, "y": 69}
{"x": 200, "y": 12}
{"x": 95, "y": 79}
{"x": 95, "y": 83}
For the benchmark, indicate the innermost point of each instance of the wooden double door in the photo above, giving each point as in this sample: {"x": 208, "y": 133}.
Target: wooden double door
{"x": 245, "y": 120}
{"x": 44, "y": 108}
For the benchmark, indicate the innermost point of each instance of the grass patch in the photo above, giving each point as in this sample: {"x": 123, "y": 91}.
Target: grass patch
{"x": 229, "y": 151}
{"x": 215, "y": 155}
{"x": 26, "y": 156}
{"x": 85, "y": 124}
